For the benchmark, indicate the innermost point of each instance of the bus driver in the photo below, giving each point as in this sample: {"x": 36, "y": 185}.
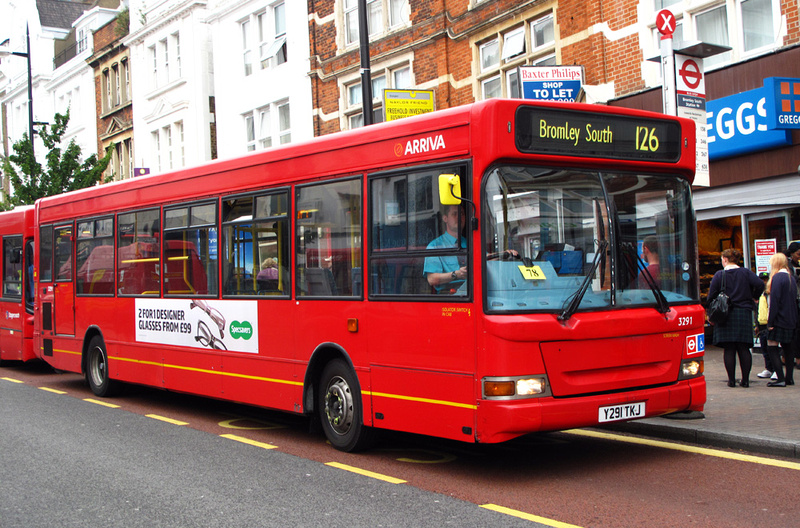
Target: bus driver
{"x": 447, "y": 273}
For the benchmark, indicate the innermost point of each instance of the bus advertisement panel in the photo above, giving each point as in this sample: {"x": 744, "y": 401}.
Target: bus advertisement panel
{"x": 476, "y": 273}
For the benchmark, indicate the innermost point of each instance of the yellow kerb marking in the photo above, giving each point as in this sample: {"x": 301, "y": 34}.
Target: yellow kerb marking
{"x": 165, "y": 419}
{"x": 688, "y": 449}
{"x": 528, "y": 516}
{"x": 12, "y": 380}
{"x": 364, "y": 472}
{"x": 248, "y": 441}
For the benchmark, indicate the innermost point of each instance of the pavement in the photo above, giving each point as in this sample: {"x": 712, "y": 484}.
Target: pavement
{"x": 757, "y": 419}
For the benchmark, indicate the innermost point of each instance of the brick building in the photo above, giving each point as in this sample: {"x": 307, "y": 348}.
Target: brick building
{"x": 112, "y": 79}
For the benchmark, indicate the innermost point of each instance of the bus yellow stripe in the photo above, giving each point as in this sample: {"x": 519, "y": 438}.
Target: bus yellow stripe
{"x": 284, "y": 382}
{"x": 422, "y": 400}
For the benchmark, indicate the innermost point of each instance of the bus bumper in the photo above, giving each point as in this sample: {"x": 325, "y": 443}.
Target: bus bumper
{"x": 498, "y": 421}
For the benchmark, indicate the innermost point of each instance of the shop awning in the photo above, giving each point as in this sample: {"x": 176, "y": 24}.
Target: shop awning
{"x": 747, "y": 198}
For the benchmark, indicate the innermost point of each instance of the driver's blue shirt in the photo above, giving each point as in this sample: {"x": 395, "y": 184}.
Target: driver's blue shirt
{"x": 445, "y": 263}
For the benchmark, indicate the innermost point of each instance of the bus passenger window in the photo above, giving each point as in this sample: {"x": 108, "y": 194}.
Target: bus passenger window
{"x": 12, "y": 266}
{"x": 256, "y": 244}
{"x": 139, "y": 253}
{"x": 328, "y": 231}
{"x": 95, "y": 257}
{"x": 190, "y": 256}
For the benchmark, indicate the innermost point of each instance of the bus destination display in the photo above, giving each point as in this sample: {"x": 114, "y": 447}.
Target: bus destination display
{"x": 565, "y": 132}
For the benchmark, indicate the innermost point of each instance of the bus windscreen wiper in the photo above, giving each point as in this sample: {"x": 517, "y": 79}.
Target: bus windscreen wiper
{"x": 661, "y": 301}
{"x": 572, "y": 307}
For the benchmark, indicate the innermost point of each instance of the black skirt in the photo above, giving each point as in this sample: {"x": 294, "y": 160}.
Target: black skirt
{"x": 737, "y": 329}
{"x": 781, "y": 335}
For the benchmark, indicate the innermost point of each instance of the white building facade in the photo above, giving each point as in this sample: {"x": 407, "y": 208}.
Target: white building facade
{"x": 171, "y": 56}
{"x": 261, "y": 64}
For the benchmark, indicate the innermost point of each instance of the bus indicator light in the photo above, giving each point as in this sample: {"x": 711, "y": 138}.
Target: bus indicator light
{"x": 498, "y": 388}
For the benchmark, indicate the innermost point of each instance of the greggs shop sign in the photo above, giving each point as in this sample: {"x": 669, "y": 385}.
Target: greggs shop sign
{"x": 755, "y": 120}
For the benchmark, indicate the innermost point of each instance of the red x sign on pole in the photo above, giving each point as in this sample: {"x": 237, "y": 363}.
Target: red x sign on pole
{"x": 665, "y": 22}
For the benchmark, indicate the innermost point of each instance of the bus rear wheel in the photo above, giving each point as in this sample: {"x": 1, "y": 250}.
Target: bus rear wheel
{"x": 97, "y": 369}
{"x": 340, "y": 408}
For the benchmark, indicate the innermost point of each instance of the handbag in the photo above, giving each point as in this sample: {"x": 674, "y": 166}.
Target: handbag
{"x": 719, "y": 308}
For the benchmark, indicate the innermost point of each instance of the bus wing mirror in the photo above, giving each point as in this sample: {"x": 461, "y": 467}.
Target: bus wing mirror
{"x": 16, "y": 256}
{"x": 449, "y": 189}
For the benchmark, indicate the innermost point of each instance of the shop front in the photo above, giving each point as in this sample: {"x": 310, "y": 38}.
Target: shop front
{"x": 753, "y": 201}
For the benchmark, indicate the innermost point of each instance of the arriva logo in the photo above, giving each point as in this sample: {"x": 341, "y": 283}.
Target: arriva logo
{"x": 420, "y": 146}
{"x": 243, "y": 330}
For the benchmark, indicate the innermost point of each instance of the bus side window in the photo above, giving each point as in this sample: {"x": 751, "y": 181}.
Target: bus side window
{"x": 328, "y": 231}
{"x": 139, "y": 253}
{"x": 190, "y": 258}
{"x": 405, "y": 218}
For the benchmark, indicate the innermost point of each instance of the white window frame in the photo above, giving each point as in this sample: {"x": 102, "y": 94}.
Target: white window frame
{"x": 267, "y": 126}
{"x": 735, "y": 20}
{"x": 524, "y": 53}
{"x": 381, "y": 20}
{"x": 353, "y": 114}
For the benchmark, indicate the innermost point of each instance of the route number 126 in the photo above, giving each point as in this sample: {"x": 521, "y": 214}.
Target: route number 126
{"x": 646, "y": 139}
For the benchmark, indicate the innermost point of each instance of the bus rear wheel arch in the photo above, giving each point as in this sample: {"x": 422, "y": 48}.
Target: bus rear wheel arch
{"x": 340, "y": 408}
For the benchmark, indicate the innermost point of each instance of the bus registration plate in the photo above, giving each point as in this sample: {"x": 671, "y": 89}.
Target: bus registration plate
{"x": 626, "y": 411}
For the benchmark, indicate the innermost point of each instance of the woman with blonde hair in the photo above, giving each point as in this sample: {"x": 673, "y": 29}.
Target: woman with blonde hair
{"x": 735, "y": 335}
{"x": 782, "y": 320}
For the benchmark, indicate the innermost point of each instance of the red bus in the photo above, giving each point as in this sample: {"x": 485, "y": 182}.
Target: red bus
{"x": 327, "y": 278}
{"x": 16, "y": 301}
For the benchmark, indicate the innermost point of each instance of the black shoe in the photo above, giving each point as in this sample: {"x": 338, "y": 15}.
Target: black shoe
{"x": 777, "y": 384}
{"x": 790, "y": 382}
{"x": 744, "y": 383}
{"x": 731, "y": 384}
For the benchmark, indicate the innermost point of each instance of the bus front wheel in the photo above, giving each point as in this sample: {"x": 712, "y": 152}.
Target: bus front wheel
{"x": 97, "y": 369}
{"x": 340, "y": 408}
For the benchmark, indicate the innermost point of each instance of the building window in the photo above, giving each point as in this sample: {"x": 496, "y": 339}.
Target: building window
{"x": 169, "y": 146}
{"x": 398, "y": 77}
{"x": 247, "y": 52}
{"x": 748, "y": 27}
{"x": 382, "y": 16}
{"x": 107, "y": 90}
{"x": 82, "y": 40}
{"x": 532, "y": 44}
{"x": 126, "y": 75}
{"x": 267, "y": 126}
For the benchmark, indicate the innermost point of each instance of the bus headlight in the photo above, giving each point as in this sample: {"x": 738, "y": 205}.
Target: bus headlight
{"x": 691, "y": 368}
{"x": 516, "y": 387}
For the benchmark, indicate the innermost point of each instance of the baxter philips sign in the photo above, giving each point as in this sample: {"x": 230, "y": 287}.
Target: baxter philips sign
{"x": 550, "y": 83}
{"x": 755, "y": 120}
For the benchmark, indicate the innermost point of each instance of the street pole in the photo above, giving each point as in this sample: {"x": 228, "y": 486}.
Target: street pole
{"x": 366, "y": 77}
{"x": 30, "y": 89}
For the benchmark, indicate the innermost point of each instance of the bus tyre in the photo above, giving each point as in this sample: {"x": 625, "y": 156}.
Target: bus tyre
{"x": 340, "y": 408}
{"x": 97, "y": 369}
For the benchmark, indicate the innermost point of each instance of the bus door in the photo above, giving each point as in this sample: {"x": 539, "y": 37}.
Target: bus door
{"x": 63, "y": 298}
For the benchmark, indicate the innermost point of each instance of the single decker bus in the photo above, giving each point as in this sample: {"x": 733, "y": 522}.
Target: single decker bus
{"x": 476, "y": 273}
{"x": 17, "y": 298}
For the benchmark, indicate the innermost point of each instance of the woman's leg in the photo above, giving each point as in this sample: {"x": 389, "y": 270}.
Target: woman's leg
{"x": 745, "y": 362}
{"x": 775, "y": 358}
{"x": 788, "y": 353}
{"x": 729, "y": 357}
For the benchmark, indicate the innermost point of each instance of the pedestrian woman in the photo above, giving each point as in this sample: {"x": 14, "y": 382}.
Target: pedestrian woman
{"x": 735, "y": 335}
{"x": 782, "y": 291}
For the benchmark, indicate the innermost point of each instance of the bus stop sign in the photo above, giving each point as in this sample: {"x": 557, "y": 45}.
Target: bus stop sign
{"x": 665, "y": 22}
